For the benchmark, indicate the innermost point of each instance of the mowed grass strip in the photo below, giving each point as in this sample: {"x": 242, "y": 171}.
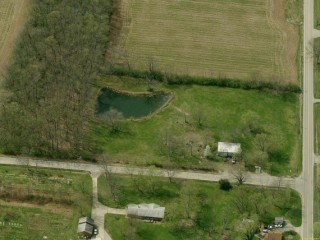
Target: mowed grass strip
{"x": 193, "y": 208}
{"x": 316, "y": 206}
{"x": 317, "y": 128}
{"x": 232, "y": 39}
{"x": 45, "y": 202}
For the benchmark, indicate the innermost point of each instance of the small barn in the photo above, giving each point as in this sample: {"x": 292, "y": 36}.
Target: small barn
{"x": 150, "y": 211}
{"x": 226, "y": 149}
{"x": 85, "y": 227}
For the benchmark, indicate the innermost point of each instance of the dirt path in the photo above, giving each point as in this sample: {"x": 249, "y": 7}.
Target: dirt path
{"x": 19, "y": 18}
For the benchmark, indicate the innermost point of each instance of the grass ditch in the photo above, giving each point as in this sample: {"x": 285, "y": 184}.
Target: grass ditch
{"x": 194, "y": 209}
{"x": 53, "y": 199}
{"x": 317, "y": 128}
{"x": 316, "y": 216}
{"x": 317, "y": 14}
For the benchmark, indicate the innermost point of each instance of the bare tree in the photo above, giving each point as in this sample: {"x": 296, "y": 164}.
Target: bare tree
{"x": 185, "y": 108}
{"x": 199, "y": 116}
{"x": 113, "y": 118}
{"x": 240, "y": 176}
{"x": 262, "y": 141}
{"x": 110, "y": 179}
{"x": 249, "y": 227}
{"x": 170, "y": 174}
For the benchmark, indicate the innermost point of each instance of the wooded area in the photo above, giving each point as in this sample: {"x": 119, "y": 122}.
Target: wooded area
{"x": 56, "y": 61}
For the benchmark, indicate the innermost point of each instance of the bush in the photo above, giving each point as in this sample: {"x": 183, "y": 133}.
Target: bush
{"x": 225, "y": 185}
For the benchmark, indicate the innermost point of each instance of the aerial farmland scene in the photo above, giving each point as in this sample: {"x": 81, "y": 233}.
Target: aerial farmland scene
{"x": 160, "y": 119}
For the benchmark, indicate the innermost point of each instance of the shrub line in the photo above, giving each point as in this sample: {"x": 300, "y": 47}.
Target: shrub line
{"x": 174, "y": 79}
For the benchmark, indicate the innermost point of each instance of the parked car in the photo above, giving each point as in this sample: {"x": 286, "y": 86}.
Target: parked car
{"x": 265, "y": 229}
{"x": 95, "y": 231}
{"x": 278, "y": 225}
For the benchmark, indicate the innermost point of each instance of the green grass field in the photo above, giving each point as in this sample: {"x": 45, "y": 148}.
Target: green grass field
{"x": 43, "y": 202}
{"x": 233, "y": 39}
{"x": 194, "y": 208}
{"x": 228, "y": 115}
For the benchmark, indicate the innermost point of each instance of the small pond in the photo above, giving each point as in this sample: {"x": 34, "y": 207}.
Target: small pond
{"x": 135, "y": 106}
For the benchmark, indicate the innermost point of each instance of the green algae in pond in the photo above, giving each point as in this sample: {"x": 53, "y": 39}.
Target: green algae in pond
{"x": 135, "y": 106}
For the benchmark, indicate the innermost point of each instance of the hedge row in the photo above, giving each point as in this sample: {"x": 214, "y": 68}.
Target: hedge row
{"x": 173, "y": 79}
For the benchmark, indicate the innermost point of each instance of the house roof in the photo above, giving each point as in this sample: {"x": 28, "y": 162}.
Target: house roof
{"x": 273, "y": 236}
{"x": 146, "y": 210}
{"x": 278, "y": 220}
{"x": 226, "y": 147}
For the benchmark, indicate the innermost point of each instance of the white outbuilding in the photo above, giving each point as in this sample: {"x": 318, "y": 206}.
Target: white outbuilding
{"x": 226, "y": 149}
{"x": 146, "y": 211}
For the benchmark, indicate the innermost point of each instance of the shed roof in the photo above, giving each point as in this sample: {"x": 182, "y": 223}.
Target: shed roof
{"x": 85, "y": 225}
{"x": 225, "y": 147}
{"x": 146, "y": 210}
{"x": 85, "y": 228}
{"x": 86, "y": 220}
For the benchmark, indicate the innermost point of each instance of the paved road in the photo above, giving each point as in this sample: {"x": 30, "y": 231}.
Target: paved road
{"x": 308, "y": 123}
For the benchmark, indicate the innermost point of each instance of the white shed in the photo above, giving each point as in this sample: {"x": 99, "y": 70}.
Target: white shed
{"x": 226, "y": 149}
{"x": 146, "y": 211}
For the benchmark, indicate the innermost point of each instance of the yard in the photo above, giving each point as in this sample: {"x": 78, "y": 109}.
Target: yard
{"x": 39, "y": 202}
{"x": 252, "y": 39}
{"x": 266, "y": 124}
{"x": 194, "y": 209}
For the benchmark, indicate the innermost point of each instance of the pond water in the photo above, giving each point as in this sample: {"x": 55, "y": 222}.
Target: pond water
{"x": 135, "y": 106}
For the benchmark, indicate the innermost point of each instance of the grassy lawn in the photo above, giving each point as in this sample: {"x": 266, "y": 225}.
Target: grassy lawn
{"x": 242, "y": 39}
{"x": 195, "y": 209}
{"x": 317, "y": 14}
{"x": 249, "y": 117}
{"x": 44, "y": 202}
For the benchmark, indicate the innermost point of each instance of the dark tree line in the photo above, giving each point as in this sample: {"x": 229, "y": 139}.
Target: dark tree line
{"x": 51, "y": 78}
